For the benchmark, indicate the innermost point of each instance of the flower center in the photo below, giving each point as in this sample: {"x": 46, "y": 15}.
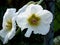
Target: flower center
{"x": 34, "y": 20}
{"x": 9, "y": 24}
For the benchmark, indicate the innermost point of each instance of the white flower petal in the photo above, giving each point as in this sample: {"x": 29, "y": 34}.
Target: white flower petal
{"x": 28, "y": 33}
{"x": 43, "y": 29}
{"x": 11, "y": 34}
{"x": 35, "y": 30}
{"x": 5, "y": 40}
{"x": 9, "y": 13}
{"x": 34, "y": 8}
{"x": 3, "y": 34}
{"x": 21, "y": 21}
{"x": 46, "y": 16}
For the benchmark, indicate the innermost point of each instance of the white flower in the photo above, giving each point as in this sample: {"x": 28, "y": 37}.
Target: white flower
{"x": 9, "y": 25}
{"x": 35, "y": 19}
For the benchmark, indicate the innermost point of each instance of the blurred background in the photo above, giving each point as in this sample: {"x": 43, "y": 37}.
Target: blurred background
{"x": 19, "y": 39}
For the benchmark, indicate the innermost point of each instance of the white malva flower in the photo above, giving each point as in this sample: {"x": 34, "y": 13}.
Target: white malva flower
{"x": 35, "y": 19}
{"x": 9, "y": 25}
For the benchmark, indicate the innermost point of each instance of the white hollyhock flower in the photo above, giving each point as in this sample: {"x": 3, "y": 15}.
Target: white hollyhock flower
{"x": 35, "y": 19}
{"x": 9, "y": 25}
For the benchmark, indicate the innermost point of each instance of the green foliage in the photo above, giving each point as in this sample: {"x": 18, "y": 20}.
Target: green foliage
{"x": 57, "y": 16}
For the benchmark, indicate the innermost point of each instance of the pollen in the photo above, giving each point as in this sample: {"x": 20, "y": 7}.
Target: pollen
{"x": 9, "y": 24}
{"x": 34, "y": 20}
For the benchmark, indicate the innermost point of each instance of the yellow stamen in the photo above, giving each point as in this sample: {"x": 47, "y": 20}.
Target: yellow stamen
{"x": 34, "y": 20}
{"x": 9, "y": 24}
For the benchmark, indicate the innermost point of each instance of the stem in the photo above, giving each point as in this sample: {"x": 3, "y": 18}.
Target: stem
{"x": 40, "y": 2}
{"x": 31, "y": 2}
{"x": 18, "y": 30}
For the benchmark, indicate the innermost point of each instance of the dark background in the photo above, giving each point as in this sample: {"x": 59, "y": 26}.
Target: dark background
{"x": 19, "y": 39}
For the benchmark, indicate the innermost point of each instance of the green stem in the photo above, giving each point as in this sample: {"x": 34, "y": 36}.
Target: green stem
{"x": 39, "y": 2}
{"x": 31, "y": 2}
{"x": 18, "y": 31}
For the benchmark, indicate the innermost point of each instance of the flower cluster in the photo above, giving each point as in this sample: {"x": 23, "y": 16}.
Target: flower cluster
{"x": 33, "y": 17}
